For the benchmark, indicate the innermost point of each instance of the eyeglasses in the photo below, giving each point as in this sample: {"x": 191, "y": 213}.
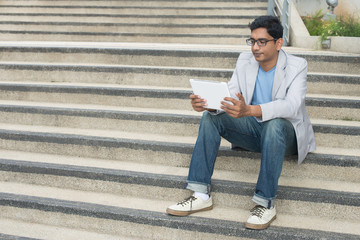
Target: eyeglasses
{"x": 260, "y": 42}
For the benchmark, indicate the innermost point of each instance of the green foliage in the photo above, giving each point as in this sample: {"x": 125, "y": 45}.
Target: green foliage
{"x": 344, "y": 26}
{"x": 314, "y": 24}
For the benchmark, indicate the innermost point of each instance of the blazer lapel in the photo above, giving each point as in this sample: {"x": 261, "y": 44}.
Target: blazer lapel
{"x": 279, "y": 73}
{"x": 251, "y": 74}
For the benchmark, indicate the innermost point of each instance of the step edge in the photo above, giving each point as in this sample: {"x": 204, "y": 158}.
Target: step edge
{"x": 178, "y": 182}
{"x": 201, "y": 224}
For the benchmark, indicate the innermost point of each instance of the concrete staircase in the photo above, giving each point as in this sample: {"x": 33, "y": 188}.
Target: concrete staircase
{"x": 213, "y": 21}
{"x": 96, "y": 136}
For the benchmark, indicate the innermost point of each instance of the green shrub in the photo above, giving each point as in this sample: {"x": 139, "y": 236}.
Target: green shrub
{"x": 314, "y": 24}
{"x": 344, "y": 26}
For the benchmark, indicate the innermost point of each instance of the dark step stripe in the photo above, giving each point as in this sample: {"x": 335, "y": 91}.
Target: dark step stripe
{"x": 109, "y": 114}
{"x": 154, "y": 93}
{"x": 133, "y": 7}
{"x": 248, "y": 1}
{"x": 128, "y": 92}
{"x": 353, "y": 79}
{"x": 157, "y": 117}
{"x": 195, "y": 72}
{"x": 231, "y": 55}
{"x": 160, "y": 25}
{"x": 182, "y": 148}
{"x": 119, "y": 69}
{"x": 124, "y": 34}
{"x": 330, "y": 102}
{"x": 250, "y": 17}
{"x": 196, "y": 224}
{"x": 169, "y": 181}
{"x": 12, "y": 237}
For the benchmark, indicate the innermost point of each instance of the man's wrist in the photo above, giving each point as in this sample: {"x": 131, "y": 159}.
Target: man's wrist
{"x": 253, "y": 111}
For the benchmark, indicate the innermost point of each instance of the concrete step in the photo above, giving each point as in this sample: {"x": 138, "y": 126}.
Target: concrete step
{"x": 16, "y": 163}
{"x": 122, "y": 180}
{"x": 180, "y": 55}
{"x": 152, "y": 223}
{"x": 138, "y": 10}
{"x": 127, "y": 19}
{"x": 337, "y": 84}
{"x": 338, "y": 135}
{"x": 333, "y": 107}
{"x": 318, "y": 106}
{"x": 31, "y": 26}
{"x": 126, "y": 28}
{"x": 12, "y": 229}
{"x": 11, "y": 237}
{"x": 22, "y": 195}
{"x": 141, "y": 121}
{"x": 139, "y": 3}
{"x": 9, "y": 35}
{"x": 143, "y": 147}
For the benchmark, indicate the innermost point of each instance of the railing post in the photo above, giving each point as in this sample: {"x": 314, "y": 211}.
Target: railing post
{"x": 271, "y": 7}
{"x": 285, "y": 21}
{"x": 274, "y": 9}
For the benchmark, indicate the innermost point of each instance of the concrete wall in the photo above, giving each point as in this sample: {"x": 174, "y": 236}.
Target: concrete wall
{"x": 310, "y": 7}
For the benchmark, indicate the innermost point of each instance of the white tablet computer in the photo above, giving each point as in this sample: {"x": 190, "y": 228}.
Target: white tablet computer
{"x": 213, "y": 92}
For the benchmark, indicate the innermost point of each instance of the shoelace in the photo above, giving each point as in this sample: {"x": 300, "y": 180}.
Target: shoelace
{"x": 187, "y": 201}
{"x": 258, "y": 211}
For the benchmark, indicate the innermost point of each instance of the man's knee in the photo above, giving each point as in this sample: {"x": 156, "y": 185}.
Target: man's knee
{"x": 277, "y": 126}
{"x": 208, "y": 117}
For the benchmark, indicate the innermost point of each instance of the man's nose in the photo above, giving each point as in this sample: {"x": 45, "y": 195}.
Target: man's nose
{"x": 256, "y": 46}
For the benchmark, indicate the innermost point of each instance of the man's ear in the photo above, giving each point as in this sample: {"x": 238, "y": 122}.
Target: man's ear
{"x": 279, "y": 43}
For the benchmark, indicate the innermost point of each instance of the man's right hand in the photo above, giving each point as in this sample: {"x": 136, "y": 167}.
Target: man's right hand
{"x": 198, "y": 104}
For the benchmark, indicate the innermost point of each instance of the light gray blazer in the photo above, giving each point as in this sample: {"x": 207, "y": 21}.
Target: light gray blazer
{"x": 288, "y": 94}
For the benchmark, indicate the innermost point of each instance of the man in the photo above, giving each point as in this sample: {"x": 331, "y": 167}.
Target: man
{"x": 267, "y": 115}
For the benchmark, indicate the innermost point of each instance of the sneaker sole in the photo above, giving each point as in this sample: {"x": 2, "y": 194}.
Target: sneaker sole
{"x": 186, "y": 213}
{"x": 259, "y": 226}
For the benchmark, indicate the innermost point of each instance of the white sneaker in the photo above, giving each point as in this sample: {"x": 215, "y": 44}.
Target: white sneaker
{"x": 189, "y": 206}
{"x": 260, "y": 217}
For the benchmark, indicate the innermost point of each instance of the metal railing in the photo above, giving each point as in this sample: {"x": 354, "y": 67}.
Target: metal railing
{"x": 281, "y": 9}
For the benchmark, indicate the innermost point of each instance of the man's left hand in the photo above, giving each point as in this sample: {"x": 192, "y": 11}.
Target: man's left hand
{"x": 238, "y": 109}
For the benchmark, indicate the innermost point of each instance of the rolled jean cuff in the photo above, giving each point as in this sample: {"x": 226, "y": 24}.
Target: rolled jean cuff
{"x": 268, "y": 203}
{"x": 198, "y": 187}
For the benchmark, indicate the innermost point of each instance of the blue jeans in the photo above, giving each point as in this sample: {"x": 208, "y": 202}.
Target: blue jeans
{"x": 273, "y": 139}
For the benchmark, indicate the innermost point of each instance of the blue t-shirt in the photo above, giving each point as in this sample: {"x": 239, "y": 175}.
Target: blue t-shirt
{"x": 263, "y": 87}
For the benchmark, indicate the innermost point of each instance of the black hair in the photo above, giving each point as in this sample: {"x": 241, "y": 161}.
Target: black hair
{"x": 271, "y": 23}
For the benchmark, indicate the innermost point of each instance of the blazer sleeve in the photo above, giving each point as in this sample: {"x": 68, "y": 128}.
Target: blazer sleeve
{"x": 290, "y": 98}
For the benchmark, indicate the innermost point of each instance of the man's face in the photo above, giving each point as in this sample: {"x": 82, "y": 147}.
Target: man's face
{"x": 266, "y": 54}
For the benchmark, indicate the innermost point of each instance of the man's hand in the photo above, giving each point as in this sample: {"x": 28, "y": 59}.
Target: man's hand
{"x": 199, "y": 104}
{"x": 239, "y": 108}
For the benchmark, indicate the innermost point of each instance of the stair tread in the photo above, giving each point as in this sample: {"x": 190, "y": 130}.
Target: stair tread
{"x": 290, "y": 181}
{"x": 138, "y": 3}
{"x": 21, "y": 229}
{"x": 101, "y": 133}
{"x": 327, "y": 96}
{"x": 100, "y": 108}
{"x": 149, "y": 88}
{"x": 118, "y": 134}
{"x": 61, "y": 64}
{"x": 161, "y": 46}
{"x": 159, "y": 206}
{"x": 155, "y": 111}
{"x": 144, "y": 110}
